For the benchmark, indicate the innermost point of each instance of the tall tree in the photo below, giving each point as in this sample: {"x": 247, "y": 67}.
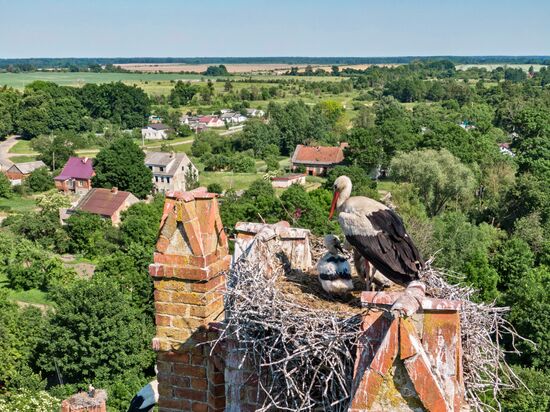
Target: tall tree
{"x": 122, "y": 165}
{"x": 439, "y": 177}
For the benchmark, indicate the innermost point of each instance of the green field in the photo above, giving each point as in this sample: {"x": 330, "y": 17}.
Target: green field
{"x": 19, "y": 80}
{"x": 17, "y": 203}
{"x": 23, "y": 158}
{"x": 152, "y": 83}
{"x": 32, "y": 296}
{"x": 22, "y": 146}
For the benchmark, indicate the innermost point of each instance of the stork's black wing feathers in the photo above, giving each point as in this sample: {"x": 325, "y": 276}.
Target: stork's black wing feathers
{"x": 135, "y": 404}
{"x": 391, "y": 251}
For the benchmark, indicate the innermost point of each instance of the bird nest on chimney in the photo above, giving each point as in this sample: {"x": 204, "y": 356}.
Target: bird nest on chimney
{"x": 303, "y": 344}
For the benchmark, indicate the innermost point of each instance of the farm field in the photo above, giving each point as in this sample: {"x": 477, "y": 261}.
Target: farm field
{"x": 152, "y": 83}
{"x": 490, "y": 67}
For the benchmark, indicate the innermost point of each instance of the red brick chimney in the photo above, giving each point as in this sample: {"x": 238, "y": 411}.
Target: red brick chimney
{"x": 409, "y": 361}
{"x": 191, "y": 255}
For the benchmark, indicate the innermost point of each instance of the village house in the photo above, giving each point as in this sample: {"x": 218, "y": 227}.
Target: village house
{"x": 170, "y": 170}
{"x": 108, "y": 203}
{"x": 157, "y": 131}
{"x": 233, "y": 117}
{"x": 18, "y": 172}
{"x": 288, "y": 180}
{"x": 317, "y": 160}
{"x": 255, "y": 113}
{"x": 211, "y": 121}
{"x": 154, "y": 119}
{"x": 505, "y": 149}
{"x": 76, "y": 175}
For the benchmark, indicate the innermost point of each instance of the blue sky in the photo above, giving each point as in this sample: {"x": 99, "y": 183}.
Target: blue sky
{"x": 109, "y": 28}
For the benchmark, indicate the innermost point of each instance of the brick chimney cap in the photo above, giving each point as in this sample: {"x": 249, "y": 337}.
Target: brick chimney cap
{"x": 192, "y": 195}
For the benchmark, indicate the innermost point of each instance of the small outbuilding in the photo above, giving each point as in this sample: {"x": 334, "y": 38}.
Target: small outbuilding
{"x": 288, "y": 180}
{"x": 317, "y": 160}
{"x": 20, "y": 171}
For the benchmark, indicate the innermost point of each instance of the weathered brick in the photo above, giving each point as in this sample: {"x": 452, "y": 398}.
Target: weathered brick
{"x": 190, "y": 371}
{"x": 186, "y": 297}
{"x": 180, "y": 381}
{"x": 198, "y": 360}
{"x": 199, "y": 384}
{"x": 187, "y": 322}
{"x": 199, "y": 407}
{"x": 163, "y": 320}
{"x": 190, "y": 394}
{"x": 164, "y": 367}
{"x": 162, "y": 296}
{"x": 174, "y": 404}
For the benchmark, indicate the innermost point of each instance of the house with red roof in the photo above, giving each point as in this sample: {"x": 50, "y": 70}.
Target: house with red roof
{"x": 107, "y": 203}
{"x": 317, "y": 160}
{"x": 211, "y": 121}
{"x": 76, "y": 176}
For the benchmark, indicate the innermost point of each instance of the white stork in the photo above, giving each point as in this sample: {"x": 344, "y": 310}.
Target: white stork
{"x": 146, "y": 399}
{"x": 334, "y": 270}
{"x": 377, "y": 233}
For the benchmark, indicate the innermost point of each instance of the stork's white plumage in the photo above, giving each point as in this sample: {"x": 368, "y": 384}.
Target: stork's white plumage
{"x": 377, "y": 233}
{"x": 333, "y": 269}
{"x": 146, "y": 399}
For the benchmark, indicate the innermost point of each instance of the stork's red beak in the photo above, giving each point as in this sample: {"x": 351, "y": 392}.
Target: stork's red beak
{"x": 333, "y": 205}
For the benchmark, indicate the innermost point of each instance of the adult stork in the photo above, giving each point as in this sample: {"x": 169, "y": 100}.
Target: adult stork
{"x": 377, "y": 233}
{"x": 146, "y": 399}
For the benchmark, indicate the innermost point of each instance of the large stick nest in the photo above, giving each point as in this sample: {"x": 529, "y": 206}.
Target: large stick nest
{"x": 304, "y": 351}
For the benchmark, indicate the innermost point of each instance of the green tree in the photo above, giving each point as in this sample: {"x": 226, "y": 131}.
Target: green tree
{"x": 272, "y": 164}
{"x": 40, "y": 180}
{"x": 363, "y": 185}
{"x": 121, "y": 165}
{"x": 364, "y": 149}
{"x": 96, "y": 332}
{"x": 6, "y": 190}
{"x": 529, "y": 301}
{"x": 89, "y": 234}
{"x": 215, "y": 188}
{"x": 21, "y": 331}
{"x": 55, "y": 150}
{"x": 465, "y": 248}
{"x": 182, "y": 93}
{"x": 537, "y": 398}
{"x": 140, "y": 223}
{"x": 439, "y": 177}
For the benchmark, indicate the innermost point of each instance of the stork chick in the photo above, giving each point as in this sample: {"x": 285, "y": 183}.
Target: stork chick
{"x": 334, "y": 270}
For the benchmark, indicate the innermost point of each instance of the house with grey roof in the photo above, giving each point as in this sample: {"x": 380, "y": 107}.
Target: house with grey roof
{"x": 170, "y": 170}
{"x": 155, "y": 131}
{"x": 20, "y": 171}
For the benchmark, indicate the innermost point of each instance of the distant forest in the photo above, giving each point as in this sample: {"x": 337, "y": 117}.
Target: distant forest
{"x": 46, "y": 62}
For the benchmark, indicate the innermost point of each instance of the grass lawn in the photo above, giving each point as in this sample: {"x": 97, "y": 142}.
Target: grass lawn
{"x": 384, "y": 186}
{"x": 22, "y": 159}
{"x": 229, "y": 180}
{"x": 32, "y": 296}
{"x": 17, "y": 204}
{"x": 22, "y": 146}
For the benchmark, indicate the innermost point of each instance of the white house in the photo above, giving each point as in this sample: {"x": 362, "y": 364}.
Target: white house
{"x": 255, "y": 113}
{"x": 170, "y": 170}
{"x": 156, "y": 131}
{"x": 233, "y": 117}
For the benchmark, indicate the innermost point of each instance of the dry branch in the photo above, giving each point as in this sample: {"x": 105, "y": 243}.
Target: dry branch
{"x": 304, "y": 357}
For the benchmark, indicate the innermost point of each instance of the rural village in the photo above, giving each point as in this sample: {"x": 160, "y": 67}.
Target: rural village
{"x": 204, "y": 234}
